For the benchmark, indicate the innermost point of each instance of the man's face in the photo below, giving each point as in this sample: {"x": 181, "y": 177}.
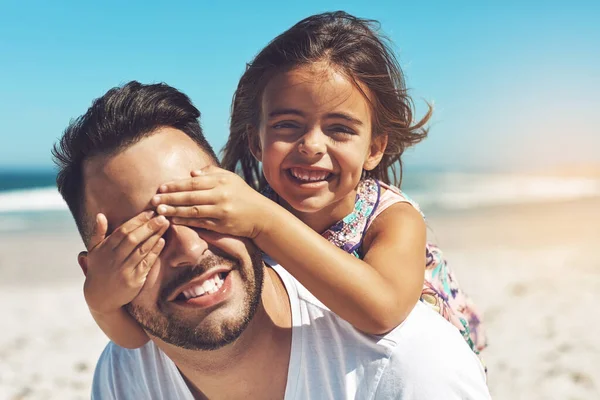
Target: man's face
{"x": 121, "y": 186}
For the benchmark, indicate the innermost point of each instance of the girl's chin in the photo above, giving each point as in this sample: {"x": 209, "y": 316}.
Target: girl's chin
{"x": 306, "y": 205}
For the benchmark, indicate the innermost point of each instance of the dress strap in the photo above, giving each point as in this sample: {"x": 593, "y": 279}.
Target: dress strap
{"x": 391, "y": 195}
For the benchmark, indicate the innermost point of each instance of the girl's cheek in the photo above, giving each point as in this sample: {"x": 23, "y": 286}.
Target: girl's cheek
{"x": 271, "y": 154}
{"x": 280, "y": 148}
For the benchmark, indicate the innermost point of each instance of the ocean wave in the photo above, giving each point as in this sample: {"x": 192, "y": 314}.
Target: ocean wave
{"x": 444, "y": 191}
{"x": 464, "y": 191}
{"x": 38, "y": 199}
{"x": 13, "y": 224}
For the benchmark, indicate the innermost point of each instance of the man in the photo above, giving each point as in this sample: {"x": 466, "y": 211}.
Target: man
{"x": 261, "y": 335}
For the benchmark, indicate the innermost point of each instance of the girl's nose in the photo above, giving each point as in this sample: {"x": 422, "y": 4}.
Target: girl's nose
{"x": 313, "y": 143}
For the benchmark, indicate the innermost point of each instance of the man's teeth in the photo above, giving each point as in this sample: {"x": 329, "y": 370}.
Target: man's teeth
{"x": 309, "y": 176}
{"x": 209, "y": 286}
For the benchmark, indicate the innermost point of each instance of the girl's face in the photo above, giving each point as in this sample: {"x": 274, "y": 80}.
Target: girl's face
{"x": 315, "y": 138}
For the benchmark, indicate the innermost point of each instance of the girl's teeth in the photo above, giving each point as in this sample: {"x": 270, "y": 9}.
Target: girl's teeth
{"x": 309, "y": 176}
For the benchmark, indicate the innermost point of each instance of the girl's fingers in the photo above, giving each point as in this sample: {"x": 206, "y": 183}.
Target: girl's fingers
{"x": 99, "y": 231}
{"x": 206, "y": 223}
{"x": 201, "y": 182}
{"x": 208, "y": 170}
{"x": 206, "y": 196}
{"x": 135, "y": 256}
{"x": 134, "y": 242}
{"x": 197, "y": 211}
{"x": 120, "y": 233}
{"x": 145, "y": 265}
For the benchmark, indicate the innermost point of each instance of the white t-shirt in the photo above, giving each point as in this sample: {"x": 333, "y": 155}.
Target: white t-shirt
{"x": 424, "y": 358}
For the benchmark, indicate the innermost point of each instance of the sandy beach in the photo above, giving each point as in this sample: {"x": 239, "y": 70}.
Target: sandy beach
{"x": 532, "y": 269}
{"x": 534, "y": 272}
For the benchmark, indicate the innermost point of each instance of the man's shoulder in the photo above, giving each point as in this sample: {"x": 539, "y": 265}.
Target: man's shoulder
{"x": 135, "y": 373}
{"x": 116, "y": 359}
{"x": 425, "y": 332}
{"x": 423, "y": 324}
{"x": 115, "y": 368}
{"x": 424, "y": 357}
{"x": 429, "y": 357}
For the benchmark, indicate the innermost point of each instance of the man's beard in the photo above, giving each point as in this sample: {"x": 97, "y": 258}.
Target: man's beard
{"x": 181, "y": 332}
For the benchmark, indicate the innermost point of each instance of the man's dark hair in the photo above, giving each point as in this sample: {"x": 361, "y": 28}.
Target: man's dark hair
{"x": 115, "y": 121}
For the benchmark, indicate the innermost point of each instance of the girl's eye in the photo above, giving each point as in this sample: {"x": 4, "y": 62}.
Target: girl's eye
{"x": 285, "y": 125}
{"x": 341, "y": 130}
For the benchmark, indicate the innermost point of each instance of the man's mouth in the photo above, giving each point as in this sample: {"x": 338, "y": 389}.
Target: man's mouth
{"x": 205, "y": 285}
{"x": 303, "y": 175}
{"x": 209, "y": 286}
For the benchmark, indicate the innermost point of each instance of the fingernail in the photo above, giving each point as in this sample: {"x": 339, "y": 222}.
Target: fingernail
{"x": 163, "y": 188}
{"x": 156, "y": 199}
{"x": 161, "y": 219}
{"x": 149, "y": 214}
{"x": 161, "y": 209}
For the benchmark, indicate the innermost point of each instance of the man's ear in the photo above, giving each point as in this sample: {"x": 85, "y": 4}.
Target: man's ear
{"x": 82, "y": 260}
{"x": 376, "y": 152}
{"x": 254, "y": 143}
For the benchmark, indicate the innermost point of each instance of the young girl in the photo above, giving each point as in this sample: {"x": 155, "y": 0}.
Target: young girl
{"x": 324, "y": 110}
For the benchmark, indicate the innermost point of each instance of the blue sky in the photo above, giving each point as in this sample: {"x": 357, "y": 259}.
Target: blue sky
{"x": 513, "y": 85}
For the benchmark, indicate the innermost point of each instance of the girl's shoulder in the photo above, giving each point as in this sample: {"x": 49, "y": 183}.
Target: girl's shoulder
{"x": 390, "y": 195}
{"x": 402, "y": 219}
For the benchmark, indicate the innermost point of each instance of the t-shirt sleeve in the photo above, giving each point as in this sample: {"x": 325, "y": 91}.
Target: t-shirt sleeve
{"x": 133, "y": 374}
{"x": 124, "y": 374}
{"x": 103, "y": 385}
{"x": 453, "y": 374}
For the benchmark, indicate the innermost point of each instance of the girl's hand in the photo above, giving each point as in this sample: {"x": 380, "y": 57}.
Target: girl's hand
{"x": 117, "y": 265}
{"x": 217, "y": 200}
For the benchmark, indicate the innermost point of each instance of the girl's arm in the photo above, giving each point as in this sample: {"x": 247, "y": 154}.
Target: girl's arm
{"x": 121, "y": 328}
{"x": 374, "y": 295}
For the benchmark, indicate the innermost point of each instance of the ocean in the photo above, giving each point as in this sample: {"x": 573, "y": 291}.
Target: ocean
{"x": 29, "y": 200}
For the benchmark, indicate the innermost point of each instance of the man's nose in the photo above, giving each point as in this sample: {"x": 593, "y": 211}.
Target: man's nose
{"x": 313, "y": 143}
{"x": 184, "y": 247}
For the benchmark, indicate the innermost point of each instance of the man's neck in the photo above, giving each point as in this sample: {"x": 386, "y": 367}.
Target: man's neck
{"x": 256, "y": 364}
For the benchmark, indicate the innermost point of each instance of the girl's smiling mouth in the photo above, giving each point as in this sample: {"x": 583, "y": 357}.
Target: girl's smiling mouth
{"x": 309, "y": 176}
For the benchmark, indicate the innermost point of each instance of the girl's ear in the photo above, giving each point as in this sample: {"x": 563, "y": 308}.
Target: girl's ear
{"x": 376, "y": 152}
{"x": 254, "y": 143}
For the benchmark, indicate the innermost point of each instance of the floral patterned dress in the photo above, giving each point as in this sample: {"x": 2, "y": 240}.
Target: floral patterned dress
{"x": 440, "y": 290}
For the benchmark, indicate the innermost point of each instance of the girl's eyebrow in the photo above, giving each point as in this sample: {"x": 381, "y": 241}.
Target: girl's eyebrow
{"x": 345, "y": 116}
{"x": 293, "y": 111}
{"x": 285, "y": 111}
